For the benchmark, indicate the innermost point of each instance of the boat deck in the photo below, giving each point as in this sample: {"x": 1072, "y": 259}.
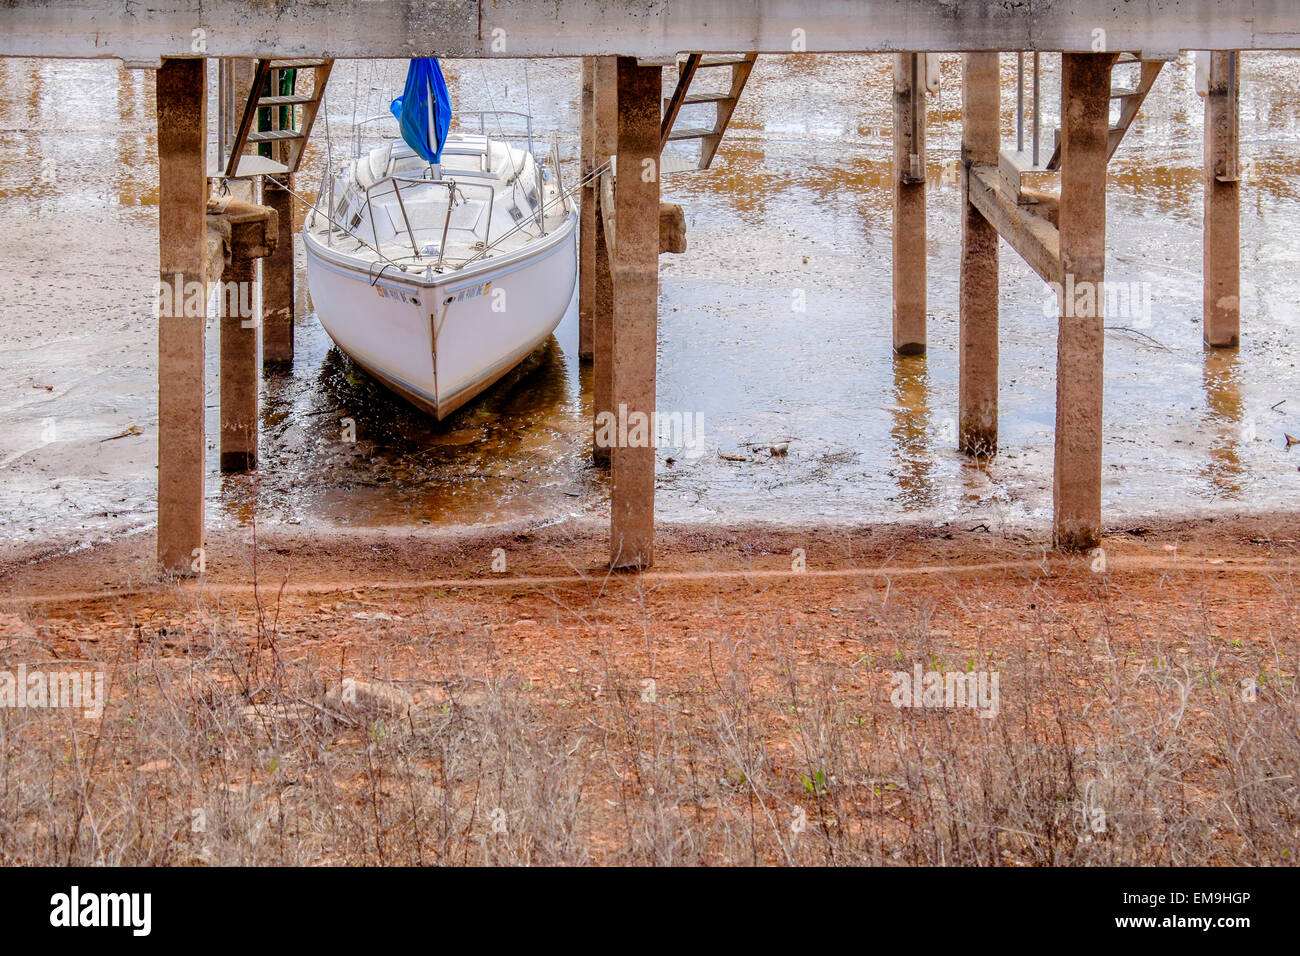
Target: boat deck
{"x": 391, "y": 206}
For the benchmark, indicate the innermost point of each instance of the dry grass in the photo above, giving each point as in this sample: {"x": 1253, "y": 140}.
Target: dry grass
{"x": 469, "y": 760}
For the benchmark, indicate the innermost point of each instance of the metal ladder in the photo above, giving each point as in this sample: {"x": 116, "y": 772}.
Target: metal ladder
{"x": 292, "y": 117}
{"x": 710, "y": 137}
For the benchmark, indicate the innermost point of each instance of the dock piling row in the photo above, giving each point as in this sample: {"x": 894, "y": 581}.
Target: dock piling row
{"x": 621, "y": 111}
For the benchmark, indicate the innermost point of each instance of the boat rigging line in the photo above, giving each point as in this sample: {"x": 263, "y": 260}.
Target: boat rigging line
{"x": 563, "y": 195}
{"x": 314, "y": 208}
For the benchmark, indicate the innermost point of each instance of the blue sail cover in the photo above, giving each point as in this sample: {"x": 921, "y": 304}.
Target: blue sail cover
{"x": 424, "y": 85}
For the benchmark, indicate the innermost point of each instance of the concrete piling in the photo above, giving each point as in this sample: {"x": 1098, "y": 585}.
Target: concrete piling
{"x": 636, "y": 313}
{"x": 239, "y": 378}
{"x": 604, "y": 143}
{"x": 1222, "y": 247}
{"x": 1085, "y": 132}
{"x": 587, "y": 224}
{"x": 277, "y": 278}
{"x": 909, "y": 203}
{"x": 182, "y": 237}
{"x": 253, "y": 233}
{"x": 977, "y": 403}
{"x": 618, "y": 294}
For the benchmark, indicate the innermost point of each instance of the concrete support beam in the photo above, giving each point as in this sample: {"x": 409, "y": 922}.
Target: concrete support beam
{"x": 1222, "y": 240}
{"x": 587, "y": 223}
{"x": 249, "y": 231}
{"x": 182, "y": 241}
{"x": 466, "y": 28}
{"x": 977, "y": 354}
{"x": 1085, "y": 132}
{"x": 278, "y": 278}
{"x": 636, "y": 313}
{"x": 604, "y": 143}
{"x": 909, "y": 203}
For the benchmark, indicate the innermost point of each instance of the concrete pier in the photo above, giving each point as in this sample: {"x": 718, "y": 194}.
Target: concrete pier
{"x": 636, "y": 313}
{"x": 1222, "y": 241}
{"x": 252, "y": 232}
{"x": 587, "y": 224}
{"x": 182, "y": 238}
{"x": 239, "y": 373}
{"x": 277, "y": 278}
{"x": 977, "y": 401}
{"x": 909, "y": 203}
{"x": 604, "y": 143}
{"x": 1085, "y": 133}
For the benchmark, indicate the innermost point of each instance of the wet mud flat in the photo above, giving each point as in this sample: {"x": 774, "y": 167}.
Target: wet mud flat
{"x": 798, "y": 202}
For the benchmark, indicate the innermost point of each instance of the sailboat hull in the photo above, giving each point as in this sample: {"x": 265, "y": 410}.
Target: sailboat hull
{"x": 438, "y": 343}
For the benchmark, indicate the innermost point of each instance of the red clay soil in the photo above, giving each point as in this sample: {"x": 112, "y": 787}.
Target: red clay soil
{"x": 429, "y": 609}
{"x": 325, "y": 591}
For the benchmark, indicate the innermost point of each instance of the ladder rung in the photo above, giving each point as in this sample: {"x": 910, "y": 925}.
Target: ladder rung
{"x": 1123, "y": 92}
{"x": 270, "y": 135}
{"x": 294, "y": 100}
{"x": 724, "y": 60}
{"x": 691, "y": 133}
{"x": 704, "y": 98}
{"x": 295, "y": 64}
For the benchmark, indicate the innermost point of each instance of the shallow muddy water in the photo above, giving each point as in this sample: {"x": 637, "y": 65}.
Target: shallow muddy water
{"x": 796, "y": 207}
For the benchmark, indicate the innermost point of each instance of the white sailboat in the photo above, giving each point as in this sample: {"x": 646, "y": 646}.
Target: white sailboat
{"x": 438, "y": 269}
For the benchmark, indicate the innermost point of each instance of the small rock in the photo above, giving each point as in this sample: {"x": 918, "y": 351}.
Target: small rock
{"x": 377, "y": 616}
{"x": 781, "y": 449}
{"x": 369, "y": 697}
{"x": 261, "y": 715}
